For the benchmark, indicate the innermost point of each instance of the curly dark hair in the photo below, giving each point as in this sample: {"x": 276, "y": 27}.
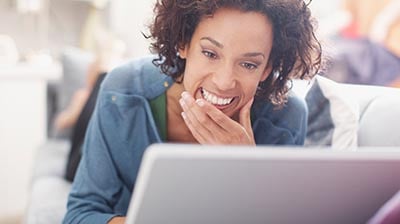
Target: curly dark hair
{"x": 296, "y": 52}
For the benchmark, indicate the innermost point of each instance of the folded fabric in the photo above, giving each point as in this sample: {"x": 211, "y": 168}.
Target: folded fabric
{"x": 333, "y": 116}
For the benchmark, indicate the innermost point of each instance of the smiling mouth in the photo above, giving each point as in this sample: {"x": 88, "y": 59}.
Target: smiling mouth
{"x": 215, "y": 100}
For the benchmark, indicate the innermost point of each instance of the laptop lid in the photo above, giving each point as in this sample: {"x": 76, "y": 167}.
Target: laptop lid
{"x": 184, "y": 184}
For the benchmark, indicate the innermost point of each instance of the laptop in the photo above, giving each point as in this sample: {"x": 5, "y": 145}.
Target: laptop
{"x": 195, "y": 184}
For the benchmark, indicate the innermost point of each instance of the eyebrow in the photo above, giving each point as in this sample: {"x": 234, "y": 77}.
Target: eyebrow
{"x": 254, "y": 54}
{"x": 218, "y": 44}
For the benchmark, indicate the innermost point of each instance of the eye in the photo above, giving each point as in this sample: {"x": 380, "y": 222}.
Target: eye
{"x": 249, "y": 66}
{"x": 209, "y": 54}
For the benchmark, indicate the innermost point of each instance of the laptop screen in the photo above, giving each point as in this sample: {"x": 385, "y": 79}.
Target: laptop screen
{"x": 182, "y": 184}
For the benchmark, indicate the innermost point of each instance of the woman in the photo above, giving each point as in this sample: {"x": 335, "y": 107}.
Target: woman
{"x": 215, "y": 58}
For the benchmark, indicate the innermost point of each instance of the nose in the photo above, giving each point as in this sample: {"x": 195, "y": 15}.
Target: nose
{"x": 224, "y": 77}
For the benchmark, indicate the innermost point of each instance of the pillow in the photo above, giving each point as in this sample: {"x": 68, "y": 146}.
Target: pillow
{"x": 75, "y": 64}
{"x": 75, "y": 68}
{"x": 333, "y": 116}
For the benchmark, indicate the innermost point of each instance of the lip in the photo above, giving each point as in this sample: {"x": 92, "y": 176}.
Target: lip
{"x": 220, "y": 107}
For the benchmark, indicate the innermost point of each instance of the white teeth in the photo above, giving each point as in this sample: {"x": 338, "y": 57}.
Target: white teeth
{"x": 216, "y": 100}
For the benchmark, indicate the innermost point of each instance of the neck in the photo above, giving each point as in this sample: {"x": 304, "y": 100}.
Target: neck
{"x": 173, "y": 96}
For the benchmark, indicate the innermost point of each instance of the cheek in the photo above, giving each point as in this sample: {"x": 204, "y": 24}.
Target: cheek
{"x": 250, "y": 88}
{"x": 191, "y": 79}
{"x": 195, "y": 71}
{"x": 186, "y": 81}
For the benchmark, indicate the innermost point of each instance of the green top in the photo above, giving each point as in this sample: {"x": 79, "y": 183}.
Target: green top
{"x": 158, "y": 109}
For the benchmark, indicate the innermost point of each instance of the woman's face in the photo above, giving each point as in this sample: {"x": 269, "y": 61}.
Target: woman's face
{"x": 227, "y": 57}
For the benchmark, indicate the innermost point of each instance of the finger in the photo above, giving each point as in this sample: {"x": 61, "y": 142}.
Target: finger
{"x": 198, "y": 116}
{"x": 231, "y": 131}
{"x": 244, "y": 116}
{"x": 245, "y": 120}
{"x": 219, "y": 118}
{"x": 200, "y": 139}
{"x": 200, "y": 124}
{"x": 219, "y": 133}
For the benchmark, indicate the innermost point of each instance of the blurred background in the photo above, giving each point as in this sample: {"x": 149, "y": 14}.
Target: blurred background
{"x": 52, "y": 52}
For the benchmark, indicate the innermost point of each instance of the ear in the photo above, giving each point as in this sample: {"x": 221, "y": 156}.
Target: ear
{"x": 183, "y": 51}
{"x": 266, "y": 72}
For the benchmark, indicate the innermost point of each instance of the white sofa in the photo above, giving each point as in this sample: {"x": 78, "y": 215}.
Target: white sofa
{"x": 361, "y": 115}
{"x": 378, "y": 124}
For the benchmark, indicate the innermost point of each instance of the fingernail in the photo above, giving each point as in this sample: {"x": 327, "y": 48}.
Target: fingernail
{"x": 200, "y": 102}
{"x": 181, "y": 102}
{"x": 185, "y": 95}
{"x": 183, "y": 115}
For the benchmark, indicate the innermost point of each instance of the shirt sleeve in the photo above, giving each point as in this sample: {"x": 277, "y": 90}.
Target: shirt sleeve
{"x": 96, "y": 186}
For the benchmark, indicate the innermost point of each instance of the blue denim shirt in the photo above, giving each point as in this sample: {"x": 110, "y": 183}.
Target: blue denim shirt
{"x": 122, "y": 127}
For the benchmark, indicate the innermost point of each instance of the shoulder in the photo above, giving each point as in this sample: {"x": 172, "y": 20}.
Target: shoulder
{"x": 138, "y": 76}
{"x": 286, "y": 125}
{"x": 124, "y": 97}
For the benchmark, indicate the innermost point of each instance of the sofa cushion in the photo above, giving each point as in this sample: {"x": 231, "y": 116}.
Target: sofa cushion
{"x": 379, "y": 108}
{"x": 48, "y": 200}
{"x": 333, "y": 115}
{"x": 49, "y": 189}
{"x": 51, "y": 159}
{"x": 380, "y": 122}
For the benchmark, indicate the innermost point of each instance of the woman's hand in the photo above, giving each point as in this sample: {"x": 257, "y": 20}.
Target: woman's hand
{"x": 117, "y": 220}
{"x": 209, "y": 125}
